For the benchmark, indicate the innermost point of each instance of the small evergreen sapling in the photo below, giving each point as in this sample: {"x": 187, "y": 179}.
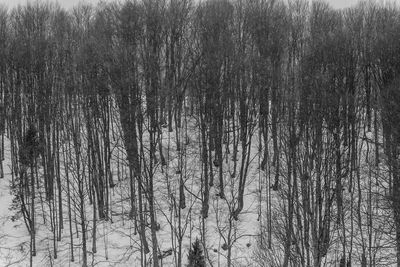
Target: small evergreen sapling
{"x": 196, "y": 257}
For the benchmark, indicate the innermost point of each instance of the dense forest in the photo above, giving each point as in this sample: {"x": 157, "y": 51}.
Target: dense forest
{"x": 202, "y": 133}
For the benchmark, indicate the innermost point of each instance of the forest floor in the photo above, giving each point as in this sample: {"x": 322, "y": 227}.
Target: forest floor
{"x": 118, "y": 244}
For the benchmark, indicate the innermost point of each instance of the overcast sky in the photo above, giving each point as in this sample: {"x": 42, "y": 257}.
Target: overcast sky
{"x": 64, "y": 3}
{"x": 70, "y": 3}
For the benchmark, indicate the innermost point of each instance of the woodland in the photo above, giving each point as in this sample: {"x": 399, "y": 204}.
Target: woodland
{"x": 200, "y": 133}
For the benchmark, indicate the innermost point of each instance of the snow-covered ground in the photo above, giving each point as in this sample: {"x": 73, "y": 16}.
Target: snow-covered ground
{"x": 118, "y": 244}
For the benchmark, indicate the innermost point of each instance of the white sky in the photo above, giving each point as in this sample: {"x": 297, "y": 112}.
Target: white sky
{"x": 63, "y": 3}
{"x": 71, "y": 3}
{"x": 349, "y": 3}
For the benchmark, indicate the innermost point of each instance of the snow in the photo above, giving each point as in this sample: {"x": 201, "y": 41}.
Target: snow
{"x": 119, "y": 245}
